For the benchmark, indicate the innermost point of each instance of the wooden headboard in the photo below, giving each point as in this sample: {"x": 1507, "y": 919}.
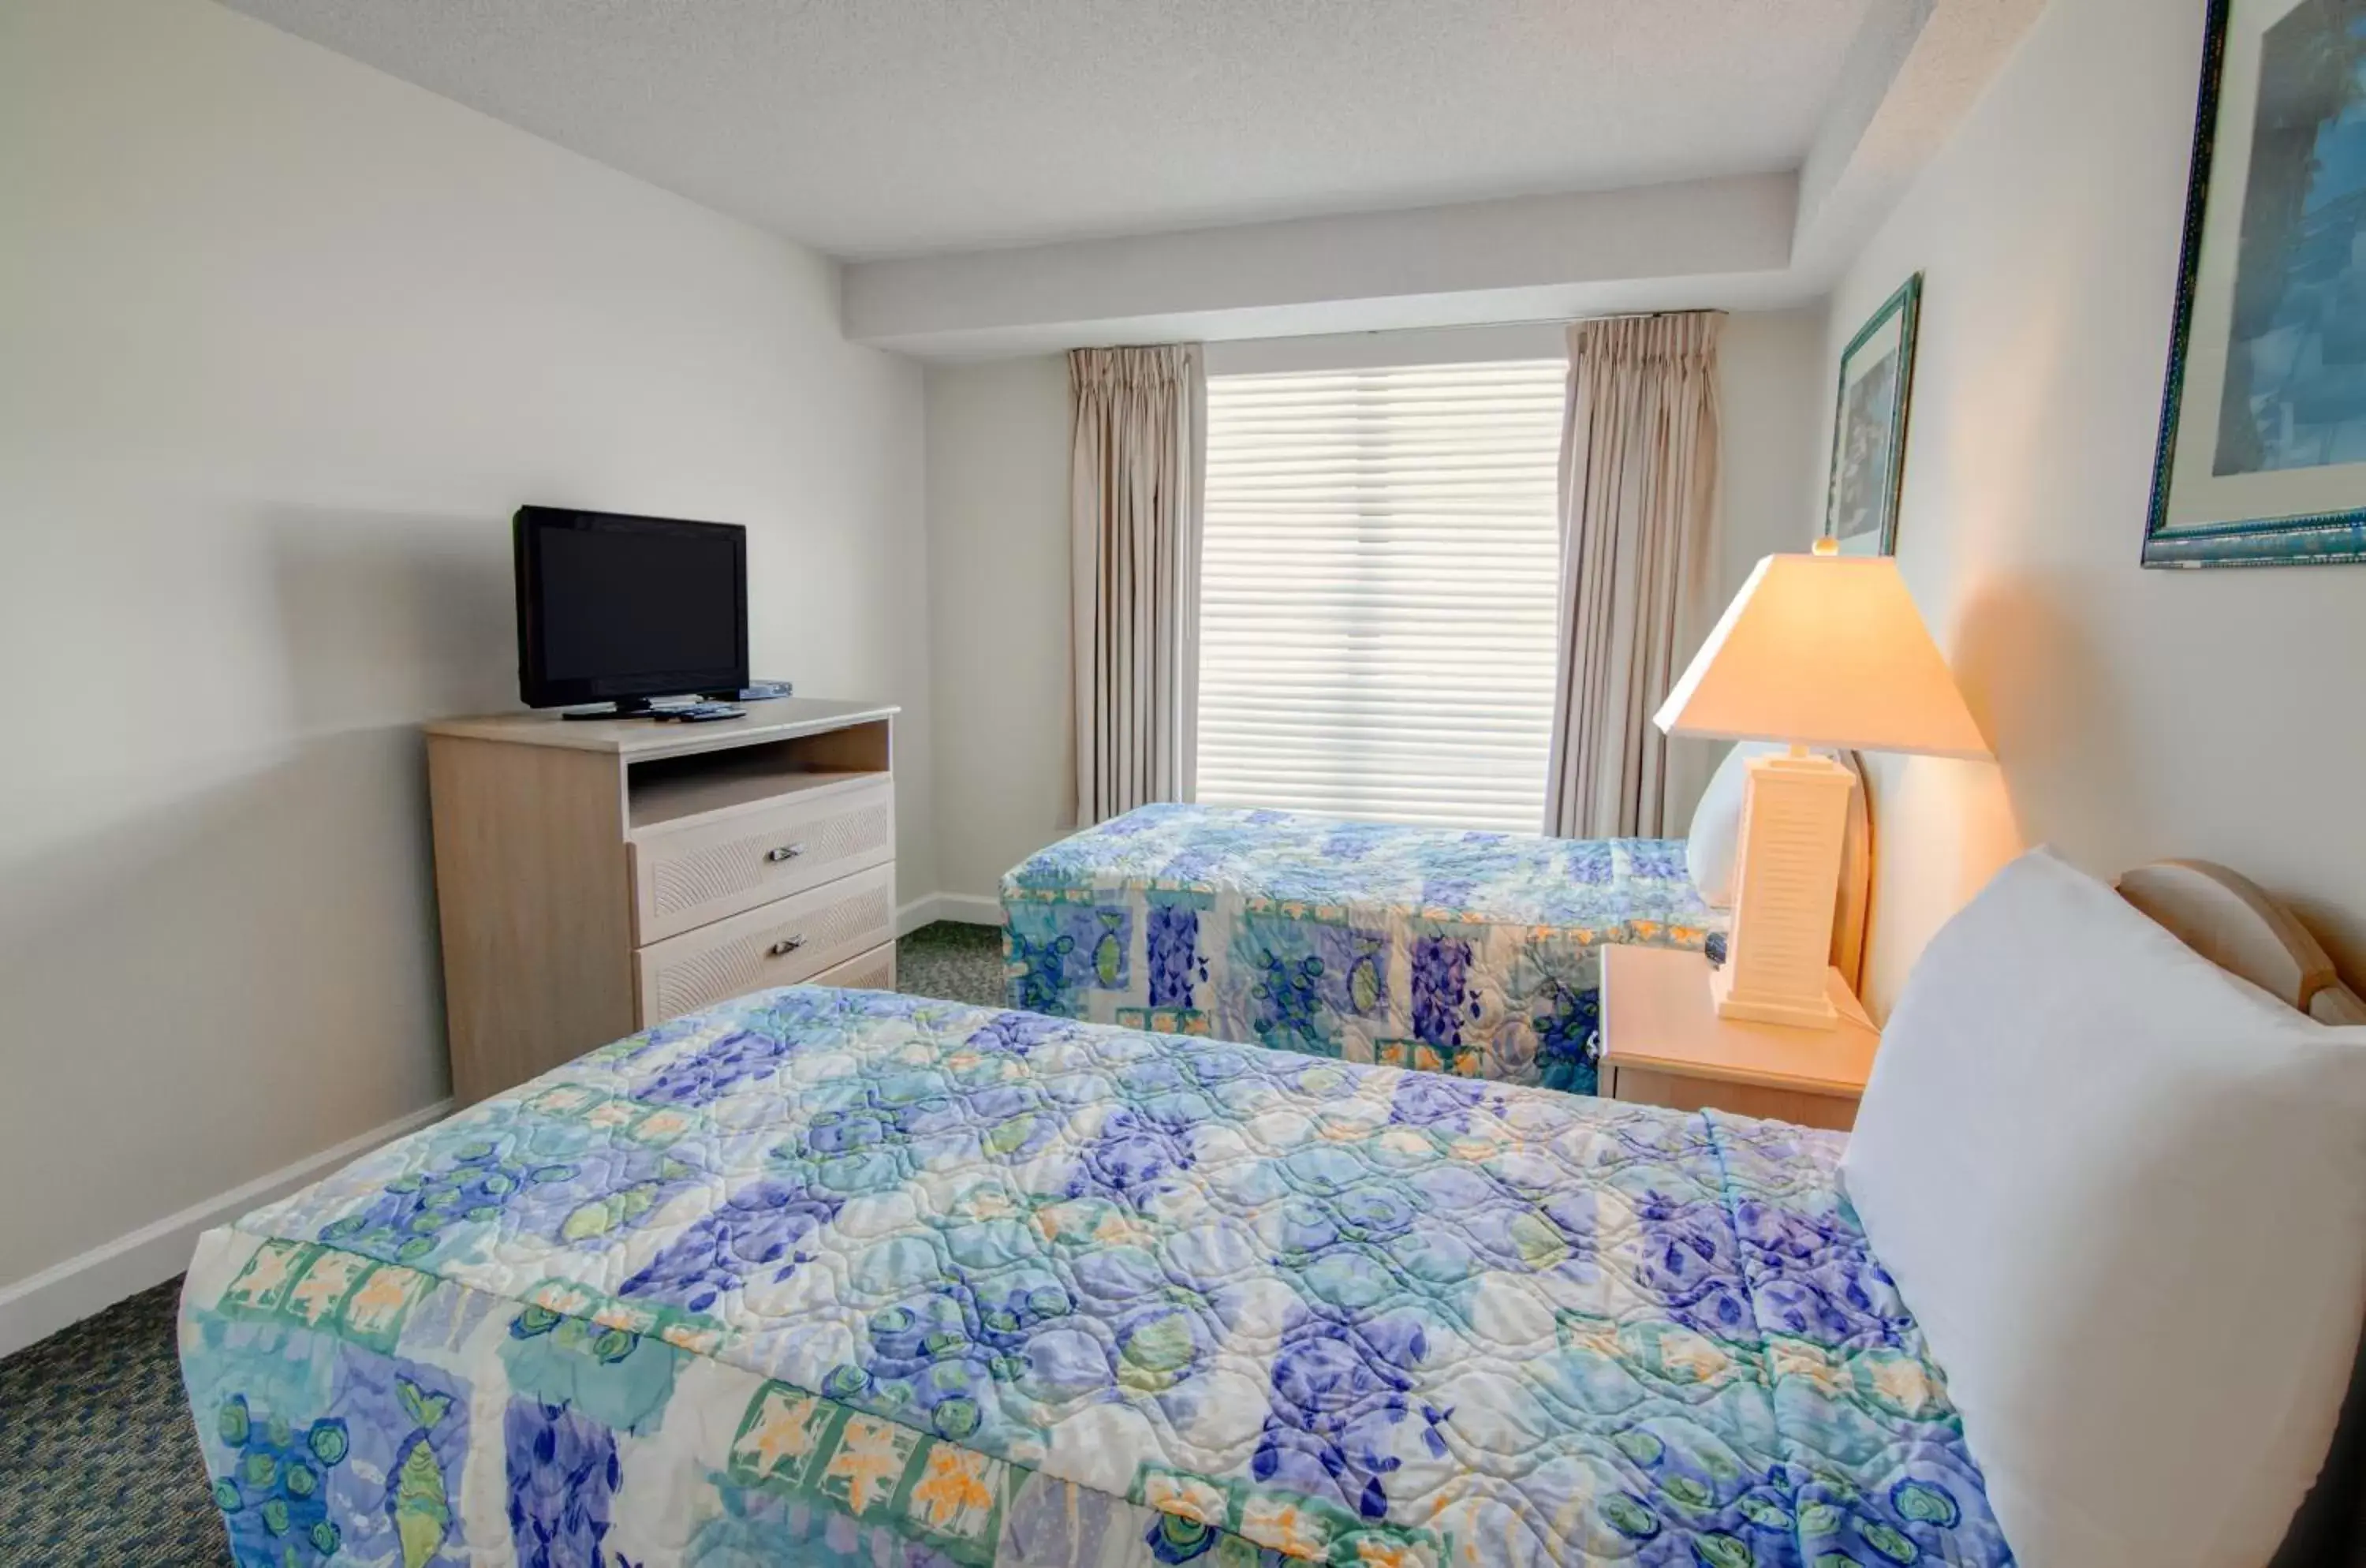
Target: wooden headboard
{"x": 1855, "y": 894}
{"x": 2229, "y": 920}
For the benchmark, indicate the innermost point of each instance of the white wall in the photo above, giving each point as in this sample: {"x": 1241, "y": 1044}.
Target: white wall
{"x": 999, "y": 550}
{"x": 2134, "y": 713}
{"x": 1689, "y": 244}
{"x": 1768, "y": 387}
{"x": 997, "y": 446}
{"x": 283, "y": 342}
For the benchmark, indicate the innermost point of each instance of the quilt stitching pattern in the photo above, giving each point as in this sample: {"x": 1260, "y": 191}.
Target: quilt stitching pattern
{"x": 1327, "y": 1311}
{"x": 1469, "y": 953}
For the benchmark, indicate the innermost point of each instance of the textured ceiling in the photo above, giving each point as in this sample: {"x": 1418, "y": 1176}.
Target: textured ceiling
{"x": 887, "y": 127}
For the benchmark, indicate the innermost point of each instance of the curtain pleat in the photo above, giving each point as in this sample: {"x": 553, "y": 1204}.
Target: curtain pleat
{"x": 1639, "y": 503}
{"x": 1138, "y": 450}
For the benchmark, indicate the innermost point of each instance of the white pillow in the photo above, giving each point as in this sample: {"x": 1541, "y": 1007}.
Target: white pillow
{"x": 1715, "y": 842}
{"x": 2125, "y": 1194}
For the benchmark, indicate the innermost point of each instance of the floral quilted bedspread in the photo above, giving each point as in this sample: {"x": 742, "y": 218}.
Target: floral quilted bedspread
{"x": 839, "y": 1277}
{"x": 1466, "y": 953}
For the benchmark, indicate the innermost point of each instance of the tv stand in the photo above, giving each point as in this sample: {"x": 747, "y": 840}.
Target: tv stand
{"x": 595, "y": 879}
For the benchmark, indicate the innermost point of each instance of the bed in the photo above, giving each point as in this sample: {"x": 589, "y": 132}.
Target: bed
{"x": 822, "y": 1277}
{"x": 1475, "y": 953}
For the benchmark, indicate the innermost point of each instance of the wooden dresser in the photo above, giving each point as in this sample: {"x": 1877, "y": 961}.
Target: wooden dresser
{"x": 593, "y": 877}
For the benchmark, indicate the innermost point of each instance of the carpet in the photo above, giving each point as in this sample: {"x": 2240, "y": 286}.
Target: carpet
{"x": 956, "y": 963}
{"x": 98, "y": 1462}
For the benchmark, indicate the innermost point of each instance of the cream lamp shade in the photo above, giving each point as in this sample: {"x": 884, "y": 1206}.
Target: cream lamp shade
{"x": 1824, "y": 651}
{"x": 1818, "y": 651}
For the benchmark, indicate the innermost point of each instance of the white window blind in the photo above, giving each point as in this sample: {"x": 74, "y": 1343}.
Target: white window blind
{"x": 1378, "y": 591}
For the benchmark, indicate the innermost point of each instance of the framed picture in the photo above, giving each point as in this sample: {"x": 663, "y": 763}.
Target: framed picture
{"x": 1869, "y": 427}
{"x": 2262, "y": 457}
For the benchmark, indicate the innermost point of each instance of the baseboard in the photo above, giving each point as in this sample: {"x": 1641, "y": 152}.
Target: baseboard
{"x": 33, "y": 1309}
{"x": 965, "y": 907}
{"x": 969, "y": 908}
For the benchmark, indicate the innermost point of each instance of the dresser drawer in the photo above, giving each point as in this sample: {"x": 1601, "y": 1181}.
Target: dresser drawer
{"x": 874, "y": 971}
{"x": 782, "y": 943}
{"x": 688, "y": 874}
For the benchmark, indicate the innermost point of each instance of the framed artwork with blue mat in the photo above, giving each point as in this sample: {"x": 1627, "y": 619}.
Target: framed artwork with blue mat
{"x": 2262, "y": 454}
{"x": 1869, "y": 426}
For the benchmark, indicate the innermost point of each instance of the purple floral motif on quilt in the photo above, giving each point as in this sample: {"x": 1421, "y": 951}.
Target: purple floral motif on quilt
{"x": 1441, "y": 997}
{"x": 563, "y": 1476}
{"x": 1591, "y": 861}
{"x": 1173, "y": 935}
{"x": 705, "y": 1076}
{"x": 1017, "y": 1032}
{"x": 759, "y": 1231}
{"x": 1338, "y": 1391}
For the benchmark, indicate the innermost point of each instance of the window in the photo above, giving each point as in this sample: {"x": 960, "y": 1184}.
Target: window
{"x": 1378, "y": 591}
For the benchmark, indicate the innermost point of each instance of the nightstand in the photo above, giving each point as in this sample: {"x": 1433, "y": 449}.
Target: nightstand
{"x": 1662, "y": 1043}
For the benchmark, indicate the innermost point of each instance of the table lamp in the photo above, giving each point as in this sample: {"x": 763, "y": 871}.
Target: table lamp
{"x": 1815, "y": 650}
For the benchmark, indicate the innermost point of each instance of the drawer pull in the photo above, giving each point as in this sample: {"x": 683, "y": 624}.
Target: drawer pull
{"x": 785, "y": 946}
{"x": 785, "y": 851}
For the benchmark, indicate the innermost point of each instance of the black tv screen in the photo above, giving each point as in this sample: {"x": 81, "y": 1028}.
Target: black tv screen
{"x": 617, "y": 608}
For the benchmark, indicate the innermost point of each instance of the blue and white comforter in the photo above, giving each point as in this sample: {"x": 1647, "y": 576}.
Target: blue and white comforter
{"x": 1466, "y": 953}
{"x": 820, "y": 1279}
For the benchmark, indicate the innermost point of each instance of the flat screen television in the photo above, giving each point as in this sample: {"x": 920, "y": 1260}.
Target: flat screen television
{"x": 614, "y": 608}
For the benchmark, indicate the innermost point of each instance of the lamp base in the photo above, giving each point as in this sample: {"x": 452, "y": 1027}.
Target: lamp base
{"x": 1793, "y": 817}
{"x": 1793, "y": 1014}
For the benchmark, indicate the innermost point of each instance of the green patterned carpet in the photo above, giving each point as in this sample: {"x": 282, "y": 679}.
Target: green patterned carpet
{"x": 958, "y": 963}
{"x": 98, "y": 1461}
{"x": 98, "y": 1464}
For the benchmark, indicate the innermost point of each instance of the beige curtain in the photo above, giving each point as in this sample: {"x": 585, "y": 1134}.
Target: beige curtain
{"x": 1637, "y": 509}
{"x": 1137, "y": 452}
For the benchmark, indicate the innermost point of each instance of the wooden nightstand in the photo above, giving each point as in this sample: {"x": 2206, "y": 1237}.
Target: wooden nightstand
{"x": 1662, "y": 1043}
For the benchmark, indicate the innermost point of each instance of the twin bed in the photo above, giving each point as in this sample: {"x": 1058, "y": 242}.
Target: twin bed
{"x": 1466, "y": 952}
{"x": 827, "y": 1277}
{"x": 838, "y": 1276}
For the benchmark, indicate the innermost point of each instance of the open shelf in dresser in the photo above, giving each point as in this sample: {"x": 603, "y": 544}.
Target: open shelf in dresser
{"x": 597, "y": 877}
